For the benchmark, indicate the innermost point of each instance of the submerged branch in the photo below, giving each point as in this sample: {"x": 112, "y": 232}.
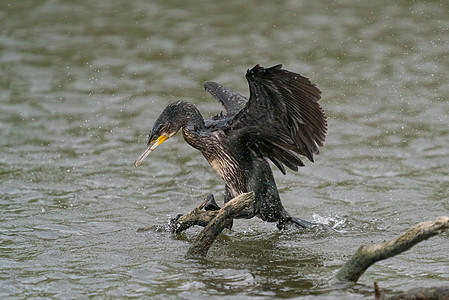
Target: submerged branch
{"x": 433, "y": 293}
{"x": 222, "y": 220}
{"x": 365, "y": 256}
{"x": 197, "y": 216}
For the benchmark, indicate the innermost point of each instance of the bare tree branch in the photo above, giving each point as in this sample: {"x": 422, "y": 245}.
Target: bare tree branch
{"x": 222, "y": 220}
{"x": 196, "y": 217}
{"x": 365, "y": 256}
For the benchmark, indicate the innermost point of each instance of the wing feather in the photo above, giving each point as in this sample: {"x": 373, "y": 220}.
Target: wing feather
{"x": 282, "y": 117}
{"x": 232, "y": 101}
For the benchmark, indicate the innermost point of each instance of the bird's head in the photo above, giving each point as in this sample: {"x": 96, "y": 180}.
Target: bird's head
{"x": 167, "y": 125}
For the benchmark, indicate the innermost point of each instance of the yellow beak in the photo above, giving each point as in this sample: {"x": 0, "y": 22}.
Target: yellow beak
{"x": 149, "y": 148}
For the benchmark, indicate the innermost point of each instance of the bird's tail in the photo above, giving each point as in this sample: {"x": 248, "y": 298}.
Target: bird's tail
{"x": 288, "y": 219}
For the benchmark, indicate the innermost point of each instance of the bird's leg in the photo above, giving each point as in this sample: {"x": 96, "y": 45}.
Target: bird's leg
{"x": 210, "y": 203}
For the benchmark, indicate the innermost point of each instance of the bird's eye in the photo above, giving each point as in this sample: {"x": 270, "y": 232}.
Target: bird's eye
{"x": 152, "y": 139}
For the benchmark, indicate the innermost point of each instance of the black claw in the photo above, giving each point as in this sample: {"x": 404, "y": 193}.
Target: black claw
{"x": 210, "y": 203}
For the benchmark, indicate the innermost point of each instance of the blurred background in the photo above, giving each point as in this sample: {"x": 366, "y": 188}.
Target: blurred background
{"x": 81, "y": 83}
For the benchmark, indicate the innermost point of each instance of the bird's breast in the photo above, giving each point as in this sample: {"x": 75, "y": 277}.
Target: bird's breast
{"x": 231, "y": 173}
{"x": 215, "y": 164}
{"x": 222, "y": 157}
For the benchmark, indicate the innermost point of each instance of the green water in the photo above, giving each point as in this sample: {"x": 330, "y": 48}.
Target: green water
{"x": 81, "y": 83}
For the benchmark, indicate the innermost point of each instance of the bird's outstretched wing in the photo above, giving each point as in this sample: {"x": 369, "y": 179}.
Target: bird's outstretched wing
{"x": 232, "y": 101}
{"x": 282, "y": 117}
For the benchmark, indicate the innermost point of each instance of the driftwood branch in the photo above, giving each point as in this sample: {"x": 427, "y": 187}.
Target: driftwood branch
{"x": 215, "y": 221}
{"x": 197, "y": 216}
{"x": 365, "y": 256}
{"x": 223, "y": 219}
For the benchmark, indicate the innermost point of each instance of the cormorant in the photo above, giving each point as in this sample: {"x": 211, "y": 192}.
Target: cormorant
{"x": 281, "y": 119}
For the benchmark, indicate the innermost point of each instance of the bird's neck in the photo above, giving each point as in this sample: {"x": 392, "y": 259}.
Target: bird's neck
{"x": 192, "y": 120}
{"x": 192, "y": 124}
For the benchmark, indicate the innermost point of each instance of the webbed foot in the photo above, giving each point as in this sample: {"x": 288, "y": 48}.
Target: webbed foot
{"x": 210, "y": 203}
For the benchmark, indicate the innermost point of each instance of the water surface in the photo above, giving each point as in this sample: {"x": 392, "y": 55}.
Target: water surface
{"x": 82, "y": 82}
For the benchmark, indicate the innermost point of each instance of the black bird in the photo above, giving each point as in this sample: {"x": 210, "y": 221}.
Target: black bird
{"x": 281, "y": 119}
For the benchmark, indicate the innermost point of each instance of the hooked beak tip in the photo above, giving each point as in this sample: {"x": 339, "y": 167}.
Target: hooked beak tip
{"x": 144, "y": 154}
{"x": 149, "y": 148}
